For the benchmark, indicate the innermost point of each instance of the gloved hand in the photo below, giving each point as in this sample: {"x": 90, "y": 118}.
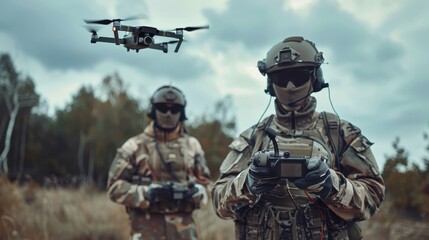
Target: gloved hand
{"x": 200, "y": 196}
{"x": 149, "y": 191}
{"x": 318, "y": 179}
{"x": 261, "y": 179}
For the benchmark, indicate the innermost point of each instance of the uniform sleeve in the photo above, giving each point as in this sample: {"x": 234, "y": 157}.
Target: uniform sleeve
{"x": 200, "y": 168}
{"x": 120, "y": 188}
{"x": 230, "y": 192}
{"x": 358, "y": 185}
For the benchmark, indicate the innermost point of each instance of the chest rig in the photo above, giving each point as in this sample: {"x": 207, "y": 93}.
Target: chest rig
{"x": 322, "y": 139}
{"x": 169, "y": 161}
{"x": 277, "y": 215}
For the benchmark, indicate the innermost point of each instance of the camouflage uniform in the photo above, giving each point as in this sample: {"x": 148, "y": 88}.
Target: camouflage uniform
{"x": 358, "y": 188}
{"x": 138, "y": 164}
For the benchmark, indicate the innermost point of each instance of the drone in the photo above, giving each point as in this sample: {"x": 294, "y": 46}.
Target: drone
{"x": 139, "y": 37}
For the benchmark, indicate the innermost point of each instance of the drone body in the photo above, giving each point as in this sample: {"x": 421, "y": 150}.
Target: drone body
{"x": 139, "y": 37}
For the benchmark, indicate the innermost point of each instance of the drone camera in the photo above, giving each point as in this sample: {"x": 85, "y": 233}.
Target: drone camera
{"x": 148, "y": 40}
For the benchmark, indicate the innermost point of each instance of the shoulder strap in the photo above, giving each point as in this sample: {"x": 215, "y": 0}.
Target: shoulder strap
{"x": 260, "y": 134}
{"x": 161, "y": 157}
{"x": 332, "y": 124}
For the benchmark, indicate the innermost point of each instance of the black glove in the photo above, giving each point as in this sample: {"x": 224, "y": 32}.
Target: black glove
{"x": 150, "y": 192}
{"x": 318, "y": 179}
{"x": 261, "y": 179}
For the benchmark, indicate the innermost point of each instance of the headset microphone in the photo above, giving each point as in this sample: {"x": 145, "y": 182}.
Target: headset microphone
{"x": 290, "y": 104}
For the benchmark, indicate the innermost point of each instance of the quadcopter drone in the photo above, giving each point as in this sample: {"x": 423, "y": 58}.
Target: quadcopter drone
{"x": 139, "y": 37}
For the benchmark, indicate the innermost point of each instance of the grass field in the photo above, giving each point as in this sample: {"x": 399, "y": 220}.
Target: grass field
{"x": 32, "y": 213}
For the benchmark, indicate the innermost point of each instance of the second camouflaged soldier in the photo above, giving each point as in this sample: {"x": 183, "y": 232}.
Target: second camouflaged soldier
{"x": 299, "y": 174}
{"x": 161, "y": 175}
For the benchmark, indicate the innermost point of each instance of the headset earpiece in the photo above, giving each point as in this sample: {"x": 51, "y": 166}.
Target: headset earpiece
{"x": 270, "y": 89}
{"x": 319, "y": 81}
{"x": 262, "y": 67}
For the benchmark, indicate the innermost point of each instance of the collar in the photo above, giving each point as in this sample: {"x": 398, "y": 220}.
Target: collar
{"x": 152, "y": 131}
{"x": 305, "y": 118}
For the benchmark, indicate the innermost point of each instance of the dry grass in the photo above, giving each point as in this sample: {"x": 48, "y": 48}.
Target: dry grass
{"x": 211, "y": 227}
{"x": 391, "y": 223}
{"x": 34, "y": 213}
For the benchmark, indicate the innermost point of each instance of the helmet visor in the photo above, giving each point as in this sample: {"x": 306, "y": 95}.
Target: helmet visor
{"x": 298, "y": 76}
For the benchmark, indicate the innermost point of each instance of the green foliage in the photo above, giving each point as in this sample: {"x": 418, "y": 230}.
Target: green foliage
{"x": 90, "y": 129}
{"x": 407, "y": 187}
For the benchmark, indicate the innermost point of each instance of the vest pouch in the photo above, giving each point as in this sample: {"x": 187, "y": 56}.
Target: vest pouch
{"x": 337, "y": 228}
{"x": 310, "y": 224}
{"x": 255, "y": 223}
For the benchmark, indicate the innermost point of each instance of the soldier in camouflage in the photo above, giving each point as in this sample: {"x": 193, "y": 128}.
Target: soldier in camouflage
{"x": 336, "y": 181}
{"x": 161, "y": 175}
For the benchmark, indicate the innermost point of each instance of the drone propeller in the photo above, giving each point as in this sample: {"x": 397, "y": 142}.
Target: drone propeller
{"x": 190, "y": 29}
{"x": 108, "y": 21}
{"x": 92, "y": 29}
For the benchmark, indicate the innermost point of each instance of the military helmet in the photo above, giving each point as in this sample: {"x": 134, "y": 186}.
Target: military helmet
{"x": 293, "y": 52}
{"x": 167, "y": 94}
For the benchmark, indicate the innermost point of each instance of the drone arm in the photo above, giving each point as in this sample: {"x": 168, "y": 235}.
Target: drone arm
{"x": 109, "y": 40}
{"x": 169, "y": 34}
{"x": 159, "y": 46}
{"x": 126, "y": 28}
{"x": 178, "y": 45}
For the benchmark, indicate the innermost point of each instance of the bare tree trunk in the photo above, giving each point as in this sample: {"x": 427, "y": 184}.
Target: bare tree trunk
{"x": 3, "y": 156}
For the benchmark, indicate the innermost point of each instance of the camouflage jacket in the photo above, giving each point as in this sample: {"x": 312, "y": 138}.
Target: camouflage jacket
{"x": 357, "y": 183}
{"x": 143, "y": 160}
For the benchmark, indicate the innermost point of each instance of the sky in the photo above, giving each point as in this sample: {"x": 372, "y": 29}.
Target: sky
{"x": 374, "y": 50}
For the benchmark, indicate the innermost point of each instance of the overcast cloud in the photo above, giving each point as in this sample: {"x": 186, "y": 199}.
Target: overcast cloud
{"x": 375, "y": 52}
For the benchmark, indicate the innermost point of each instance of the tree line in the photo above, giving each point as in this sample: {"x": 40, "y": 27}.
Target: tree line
{"x": 79, "y": 142}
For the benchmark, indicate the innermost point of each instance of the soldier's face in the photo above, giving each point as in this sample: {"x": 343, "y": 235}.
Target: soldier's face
{"x": 292, "y": 87}
{"x": 168, "y": 115}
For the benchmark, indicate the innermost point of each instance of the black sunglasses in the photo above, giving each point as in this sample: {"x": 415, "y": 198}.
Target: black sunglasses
{"x": 298, "y": 77}
{"x": 164, "y": 108}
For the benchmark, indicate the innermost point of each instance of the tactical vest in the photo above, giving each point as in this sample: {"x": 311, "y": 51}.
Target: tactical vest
{"x": 168, "y": 162}
{"x": 277, "y": 215}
